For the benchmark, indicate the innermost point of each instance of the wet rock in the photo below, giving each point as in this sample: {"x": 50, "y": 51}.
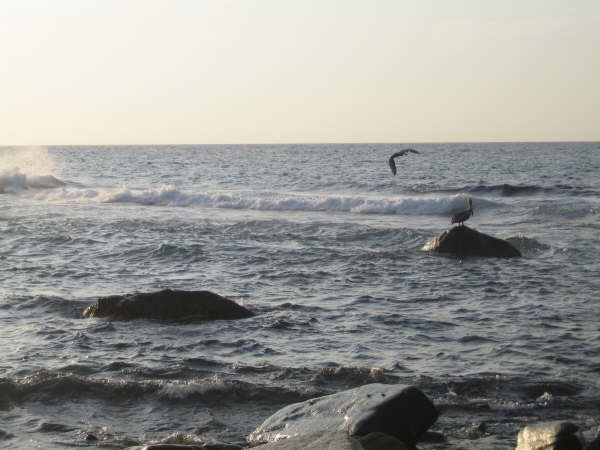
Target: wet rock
{"x": 167, "y": 305}
{"x": 338, "y": 440}
{"x": 403, "y": 412}
{"x": 550, "y": 436}
{"x": 463, "y": 241}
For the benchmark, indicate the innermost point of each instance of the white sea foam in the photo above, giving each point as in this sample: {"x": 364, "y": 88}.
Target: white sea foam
{"x": 13, "y": 181}
{"x": 22, "y": 169}
{"x": 261, "y": 201}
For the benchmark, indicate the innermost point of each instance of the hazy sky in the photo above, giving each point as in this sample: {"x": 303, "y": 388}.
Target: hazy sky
{"x": 258, "y": 71}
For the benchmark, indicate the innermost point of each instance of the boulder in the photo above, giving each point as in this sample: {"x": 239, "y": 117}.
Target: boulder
{"x": 400, "y": 411}
{"x": 167, "y": 305}
{"x": 556, "y": 435}
{"x": 463, "y": 241}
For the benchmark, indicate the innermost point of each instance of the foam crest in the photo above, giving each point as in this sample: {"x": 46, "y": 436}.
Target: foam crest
{"x": 265, "y": 201}
{"x": 163, "y": 196}
{"x": 22, "y": 169}
{"x": 14, "y": 181}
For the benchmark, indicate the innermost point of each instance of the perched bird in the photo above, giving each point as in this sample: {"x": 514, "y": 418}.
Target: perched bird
{"x": 460, "y": 217}
{"x": 400, "y": 153}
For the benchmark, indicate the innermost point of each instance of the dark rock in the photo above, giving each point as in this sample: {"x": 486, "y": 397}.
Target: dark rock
{"x": 167, "y": 305}
{"x": 381, "y": 441}
{"x": 403, "y": 412}
{"x": 463, "y": 241}
{"x": 550, "y": 436}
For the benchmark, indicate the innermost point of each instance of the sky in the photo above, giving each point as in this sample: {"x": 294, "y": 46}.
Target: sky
{"x": 76, "y": 72}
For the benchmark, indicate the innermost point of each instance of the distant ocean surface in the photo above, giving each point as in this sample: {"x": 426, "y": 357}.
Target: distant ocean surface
{"x": 324, "y": 245}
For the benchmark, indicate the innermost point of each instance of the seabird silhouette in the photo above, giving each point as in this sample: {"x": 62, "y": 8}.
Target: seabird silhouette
{"x": 460, "y": 217}
{"x": 400, "y": 153}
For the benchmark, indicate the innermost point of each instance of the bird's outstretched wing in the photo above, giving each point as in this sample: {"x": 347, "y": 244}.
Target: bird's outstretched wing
{"x": 392, "y": 165}
{"x": 399, "y": 153}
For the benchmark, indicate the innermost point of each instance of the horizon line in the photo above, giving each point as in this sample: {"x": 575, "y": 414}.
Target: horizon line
{"x": 311, "y": 143}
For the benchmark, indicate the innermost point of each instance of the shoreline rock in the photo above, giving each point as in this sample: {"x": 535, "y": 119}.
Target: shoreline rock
{"x": 556, "y": 435}
{"x": 399, "y": 411}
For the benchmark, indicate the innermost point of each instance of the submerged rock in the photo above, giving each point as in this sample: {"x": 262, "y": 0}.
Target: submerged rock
{"x": 167, "y": 305}
{"x": 550, "y": 436}
{"x": 400, "y": 411}
{"x": 464, "y": 241}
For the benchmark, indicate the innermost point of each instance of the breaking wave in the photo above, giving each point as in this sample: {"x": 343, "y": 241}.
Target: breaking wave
{"x": 512, "y": 190}
{"x": 269, "y": 201}
{"x": 508, "y": 190}
{"x": 49, "y": 387}
{"x": 26, "y": 168}
{"x": 14, "y": 181}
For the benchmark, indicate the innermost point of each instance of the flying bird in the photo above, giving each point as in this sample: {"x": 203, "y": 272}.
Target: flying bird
{"x": 400, "y": 153}
{"x": 460, "y": 217}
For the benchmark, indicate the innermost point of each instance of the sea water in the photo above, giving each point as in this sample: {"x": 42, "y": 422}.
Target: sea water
{"x": 324, "y": 244}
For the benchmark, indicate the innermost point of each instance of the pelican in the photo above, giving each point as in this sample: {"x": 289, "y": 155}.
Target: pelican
{"x": 460, "y": 217}
{"x": 400, "y": 153}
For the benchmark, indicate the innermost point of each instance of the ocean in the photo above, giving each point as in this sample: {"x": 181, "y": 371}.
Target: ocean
{"x": 324, "y": 244}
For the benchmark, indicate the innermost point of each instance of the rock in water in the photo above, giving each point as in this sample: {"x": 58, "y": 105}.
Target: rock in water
{"x": 400, "y": 411}
{"x": 167, "y": 305}
{"x": 464, "y": 241}
{"x": 550, "y": 436}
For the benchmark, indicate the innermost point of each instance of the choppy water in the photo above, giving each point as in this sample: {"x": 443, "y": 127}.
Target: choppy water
{"x": 324, "y": 244}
